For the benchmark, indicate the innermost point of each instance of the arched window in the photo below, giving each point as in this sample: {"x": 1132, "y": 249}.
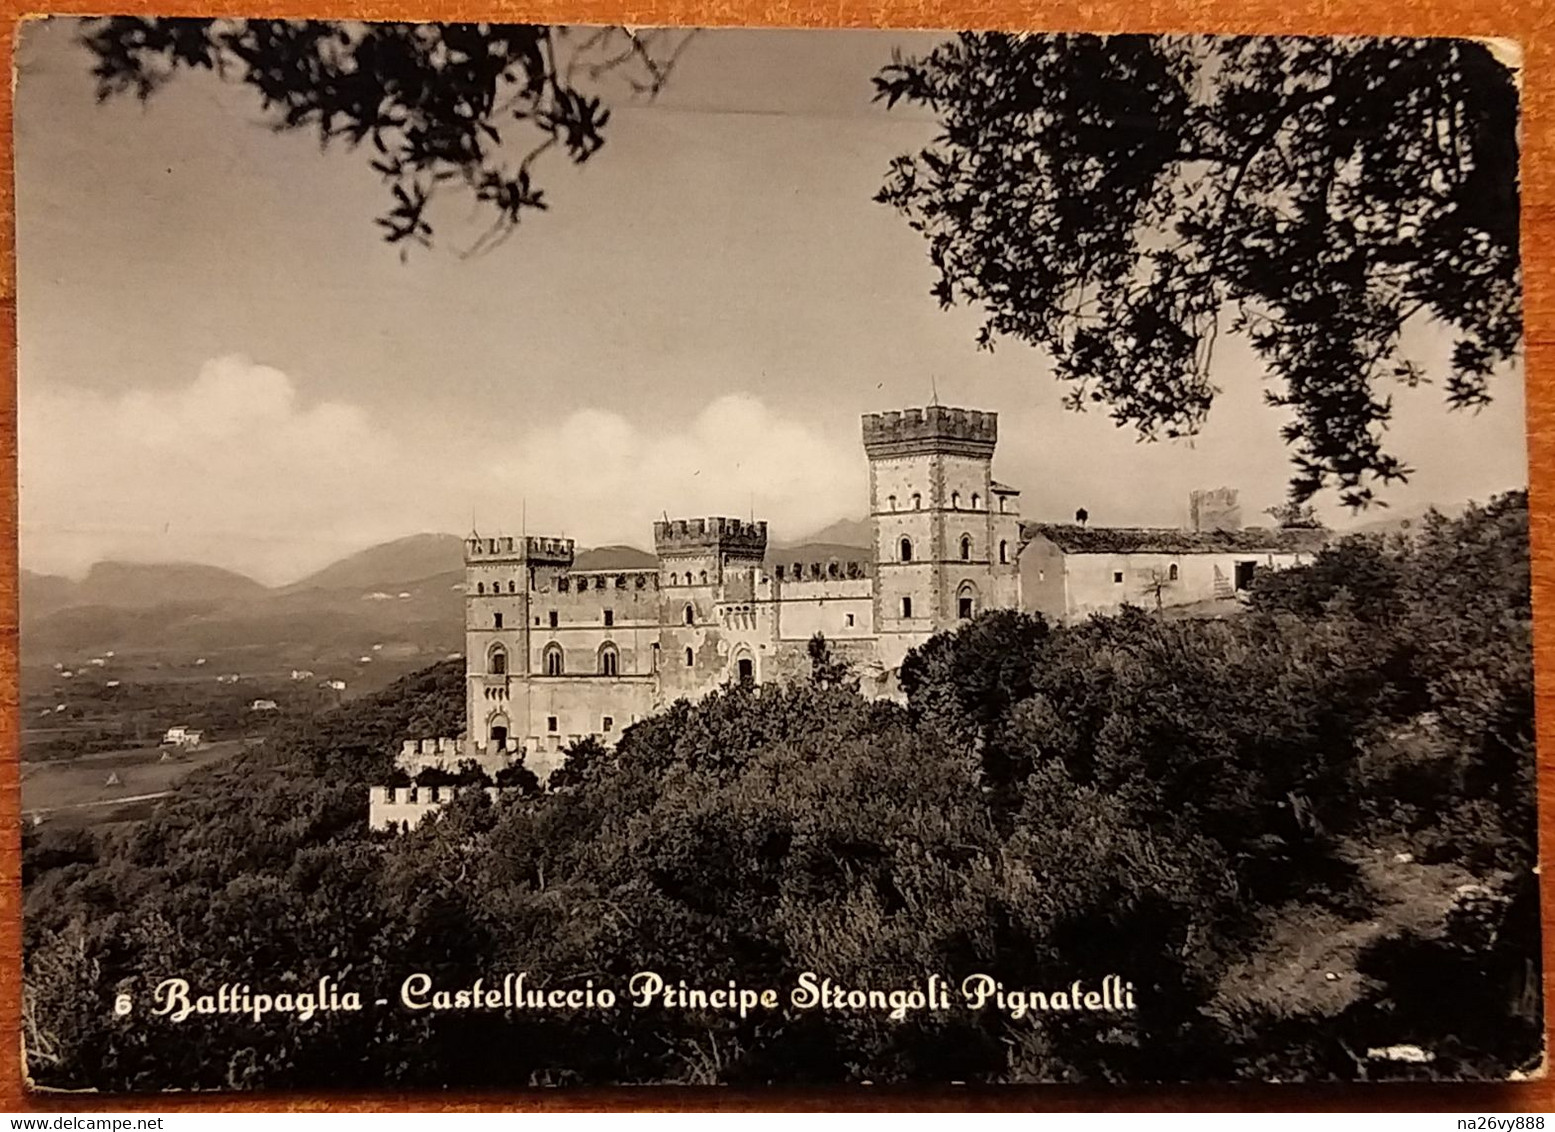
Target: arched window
{"x": 1004, "y": 551}
{"x": 497, "y": 661}
{"x": 609, "y": 659}
{"x": 553, "y": 660}
{"x": 917, "y": 501}
{"x": 512, "y": 586}
{"x": 690, "y": 658}
{"x": 1171, "y": 572}
{"x": 955, "y": 501}
{"x": 891, "y": 499}
{"x": 976, "y": 499}
{"x": 966, "y": 548}
{"x": 906, "y": 549}
{"x": 691, "y": 614}
{"x": 704, "y": 577}
{"x": 480, "y": 587}
{"x": 674, "y": 579}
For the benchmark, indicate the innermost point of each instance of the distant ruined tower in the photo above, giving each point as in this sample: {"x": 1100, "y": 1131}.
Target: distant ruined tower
{"x": 946, "y": 534}
{"x": 1214, "y": 510}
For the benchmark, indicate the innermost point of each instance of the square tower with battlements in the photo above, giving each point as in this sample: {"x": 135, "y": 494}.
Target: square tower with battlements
{"x": 502, "y": 575}
{"x": 946, "y": 534}
{"x": 705, "y": 565}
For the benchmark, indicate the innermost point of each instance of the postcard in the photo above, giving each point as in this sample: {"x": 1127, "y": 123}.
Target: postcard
{"x": 574, "y": 556}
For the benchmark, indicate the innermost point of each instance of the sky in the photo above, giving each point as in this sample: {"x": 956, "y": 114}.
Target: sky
{"x": 220, "y": 361}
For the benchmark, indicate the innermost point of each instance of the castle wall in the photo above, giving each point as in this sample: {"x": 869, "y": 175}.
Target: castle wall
{"x": 417, "y": 755}
{"x": 581, "y": 632}
{"x": 404, "y": 807}
{"x": 1103, "y": 583}
{"x": 565, "y": 709}
{"x": 839, "y": 608}
{"x": 1042, "y": 579}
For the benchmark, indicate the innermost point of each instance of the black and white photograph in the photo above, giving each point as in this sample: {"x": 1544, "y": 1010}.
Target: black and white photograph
{"x": 589, "y": 555}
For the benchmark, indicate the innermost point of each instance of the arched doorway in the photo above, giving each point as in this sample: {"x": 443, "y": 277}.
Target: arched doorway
{"x": 498, "y": 730}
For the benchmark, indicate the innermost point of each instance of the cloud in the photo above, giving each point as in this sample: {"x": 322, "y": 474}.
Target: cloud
{"x": 599, "y": 478}
{"x": 236, "y": 469}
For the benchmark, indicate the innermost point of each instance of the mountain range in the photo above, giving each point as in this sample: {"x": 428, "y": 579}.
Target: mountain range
{"x": 399, "y": 602}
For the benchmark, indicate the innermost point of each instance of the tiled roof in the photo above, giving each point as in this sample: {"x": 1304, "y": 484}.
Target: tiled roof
{"x": 1071, "y": 538}
{"x": 1002, "y": 488}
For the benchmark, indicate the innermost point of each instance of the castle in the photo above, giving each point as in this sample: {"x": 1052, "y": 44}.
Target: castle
{"x": 557, "y": 649}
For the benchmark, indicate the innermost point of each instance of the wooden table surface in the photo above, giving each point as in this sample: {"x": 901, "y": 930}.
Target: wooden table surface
{"x": 1530, "y": 22}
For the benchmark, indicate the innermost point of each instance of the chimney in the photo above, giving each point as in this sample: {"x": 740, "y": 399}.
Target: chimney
{"x": 1082, "y": 516}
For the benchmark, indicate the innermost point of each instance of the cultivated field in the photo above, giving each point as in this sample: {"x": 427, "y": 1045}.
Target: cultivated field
{"x": 102, "y": 787}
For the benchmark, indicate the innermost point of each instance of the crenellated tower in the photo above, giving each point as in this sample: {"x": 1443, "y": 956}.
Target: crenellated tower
{"x": 501, "y": 577}
{"x": 945, "y": 532}
{"x": 702, "y": 562}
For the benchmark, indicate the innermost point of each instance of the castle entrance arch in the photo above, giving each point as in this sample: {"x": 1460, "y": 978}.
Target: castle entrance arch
{"x": 497, "y": 729}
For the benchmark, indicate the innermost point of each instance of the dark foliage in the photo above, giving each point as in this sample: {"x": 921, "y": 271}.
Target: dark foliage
{"x": 1220, "y": 811}
{"x": 470, "y": 105}
{"x": 1114, "y": 199}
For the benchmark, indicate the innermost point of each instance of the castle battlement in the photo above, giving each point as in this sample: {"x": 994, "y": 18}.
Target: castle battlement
{"x": 526, "y": 548}
{"x": 404, "y": 807}
{"x": 699, "y": 536}
{"x": 937, "y": 428}
{"x": 563, "y": 646}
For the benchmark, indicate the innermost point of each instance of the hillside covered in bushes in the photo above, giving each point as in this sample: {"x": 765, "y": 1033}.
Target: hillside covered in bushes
{"x": 1305, "y": 834}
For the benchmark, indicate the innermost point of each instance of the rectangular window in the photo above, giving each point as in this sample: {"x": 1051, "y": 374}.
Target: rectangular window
{"x": 553, "y": 618}
{"x": 610, "y": 618}
{"x": 906, "y": 607}
{"x": 550, "y": 723}
{"x": 1117, "y": 577}
{"x": 965, "y": 608}
{"x": 850, "y": 621}
{"x": 607, "y": 724}
{"x": 496, "y": 620}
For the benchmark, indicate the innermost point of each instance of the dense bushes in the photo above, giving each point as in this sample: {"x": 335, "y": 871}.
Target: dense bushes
{"x": 1287, "y": 829}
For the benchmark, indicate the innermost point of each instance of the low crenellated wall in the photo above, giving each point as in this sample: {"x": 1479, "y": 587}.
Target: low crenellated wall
{"x": 404, "y": 807}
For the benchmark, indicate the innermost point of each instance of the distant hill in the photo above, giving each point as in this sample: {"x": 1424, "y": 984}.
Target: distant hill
{"x": 614, "y": 558}
{"x": 1391, "y": 522}
{"x": 130, "y": 585}
{"x": 135, "y": 586}
{"x": 44, "y": 593}
{"x": 400, "y": 604}
{"x": 389, "y": 564}
{"x": 858, "y": 534}
{"x": 807, "y": 553}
